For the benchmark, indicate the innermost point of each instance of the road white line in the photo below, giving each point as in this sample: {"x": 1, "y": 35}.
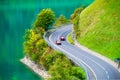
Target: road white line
{"x": 98, "y": 65}
{"x": 72, "y": 56}
{"x": 76, "y": 57}
{"x": 107, "y": 74}
{"x": 94, "y": 62}
{"x": 52, "y": 44}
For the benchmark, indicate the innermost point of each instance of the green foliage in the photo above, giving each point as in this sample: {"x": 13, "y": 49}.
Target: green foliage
{"x": 60, "y": 70}
{"x": 60, "y": 21}
{"x": 99, "y": 27}
{"x": 76, "y": 13}
{"x": 44, "y": 19}
{"x": 29, "y": 38}
{"x": 48, "y": 59}
{"x": 75, "y": 20}
{"x": 76, "y": 71}
{"x": 34, "y": 45}
{"x": 60, "y": 67}
{"x": 69, "y": 38}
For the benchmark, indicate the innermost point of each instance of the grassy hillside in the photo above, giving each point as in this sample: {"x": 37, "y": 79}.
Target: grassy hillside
{"x": 99, "y": 27}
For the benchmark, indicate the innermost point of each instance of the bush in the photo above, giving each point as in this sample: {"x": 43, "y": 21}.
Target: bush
{"x": 60, "y": 67}
{"x": 34, "y": 45}
{"x": 44, "y": 19}
{"x": 60, "y": 21}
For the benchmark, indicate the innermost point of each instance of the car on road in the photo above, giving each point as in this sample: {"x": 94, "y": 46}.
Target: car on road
{"x": 58, "y": 42}
{"x": 62, "y": 38}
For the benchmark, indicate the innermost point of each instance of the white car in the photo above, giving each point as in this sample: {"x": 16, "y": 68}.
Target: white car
{"x": 58, "y": 42}
{"x": 62, "y": 38}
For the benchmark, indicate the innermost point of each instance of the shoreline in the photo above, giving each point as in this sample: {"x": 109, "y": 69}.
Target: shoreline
{"x": 34, "y": 67}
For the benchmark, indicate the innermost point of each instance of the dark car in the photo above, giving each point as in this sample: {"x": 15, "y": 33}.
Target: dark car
{"x": 62, "y": 38}
{"x": 58, "y": 42}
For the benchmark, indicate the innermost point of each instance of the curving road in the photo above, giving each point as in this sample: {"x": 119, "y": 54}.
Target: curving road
{"x": 96, "y": 69}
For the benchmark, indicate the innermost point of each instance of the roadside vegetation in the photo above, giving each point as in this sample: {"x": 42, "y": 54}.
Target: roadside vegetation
{"x": 69, "y": 38}
{"x": 61, "y": 20}
{"x": 75, "y": 20}
{"x": 98, "y": 27}
{"x": 60, "y": 67}
{"x": 57, "y": 65}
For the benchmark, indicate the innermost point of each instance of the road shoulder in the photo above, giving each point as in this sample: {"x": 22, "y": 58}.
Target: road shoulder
{"x": 96, "y": 54}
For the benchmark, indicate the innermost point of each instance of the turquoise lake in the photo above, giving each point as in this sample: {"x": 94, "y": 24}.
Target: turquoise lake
{"x": 15, "y": 17}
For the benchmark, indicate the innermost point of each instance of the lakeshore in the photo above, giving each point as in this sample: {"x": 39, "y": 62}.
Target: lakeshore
{"x": 34, "y": 67}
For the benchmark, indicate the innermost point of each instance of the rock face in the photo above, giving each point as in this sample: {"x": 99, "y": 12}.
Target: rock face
{"x": 35, "y": 67}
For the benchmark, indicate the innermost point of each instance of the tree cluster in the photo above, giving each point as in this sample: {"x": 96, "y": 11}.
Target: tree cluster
{"x": 34, "y": 44}
{"x": 61, "y": 20}
{"x": 58, "y": 66}
{"x": 44, "y": 19}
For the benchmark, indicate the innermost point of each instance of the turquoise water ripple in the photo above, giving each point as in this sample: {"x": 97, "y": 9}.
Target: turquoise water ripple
{"x": 15, "y": 17}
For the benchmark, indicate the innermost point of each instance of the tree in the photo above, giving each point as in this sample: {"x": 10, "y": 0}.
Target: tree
{"x": 78, "y": 72}
{"x": 75, "y": 17}
{"x": 30, "y": 37}
{"x": 61, "y": 20}
{"x": 60, "y": 69}
{"x": 34, "y": 45}
{"x": 44, "y": 19}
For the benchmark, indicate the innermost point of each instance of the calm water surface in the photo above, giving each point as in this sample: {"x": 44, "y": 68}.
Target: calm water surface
{"x": 15, "y": 17}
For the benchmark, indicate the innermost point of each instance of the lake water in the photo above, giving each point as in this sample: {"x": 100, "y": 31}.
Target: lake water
{"x": 15, "y": 17}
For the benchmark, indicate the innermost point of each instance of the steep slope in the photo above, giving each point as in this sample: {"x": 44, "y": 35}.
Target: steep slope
{"x": 99, "y": 27}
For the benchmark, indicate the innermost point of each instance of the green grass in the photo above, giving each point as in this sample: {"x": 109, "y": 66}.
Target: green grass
{"x": 69, "y": 38}
{"x": 100, "y": 27}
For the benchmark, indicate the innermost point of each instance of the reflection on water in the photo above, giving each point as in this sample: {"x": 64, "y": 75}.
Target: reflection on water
{"x": 15, "y": 17}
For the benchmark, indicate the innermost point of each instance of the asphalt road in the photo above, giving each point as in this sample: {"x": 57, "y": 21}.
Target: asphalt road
{"x": 96, "y": 69}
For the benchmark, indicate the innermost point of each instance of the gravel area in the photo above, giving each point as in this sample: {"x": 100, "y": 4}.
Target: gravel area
{"x": 34, "y": 67}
